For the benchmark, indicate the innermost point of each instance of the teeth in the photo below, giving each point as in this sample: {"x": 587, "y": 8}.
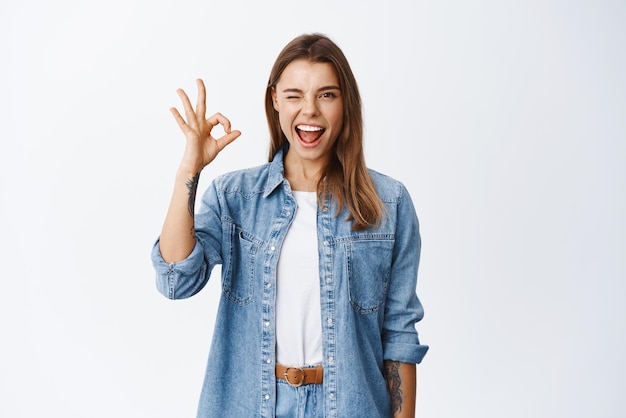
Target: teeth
{"x": 308, "y": 128}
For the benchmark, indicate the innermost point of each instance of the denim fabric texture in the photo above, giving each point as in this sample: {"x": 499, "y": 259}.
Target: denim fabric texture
{"x": 367, "y": 284}
{"x": 306, "y": 401}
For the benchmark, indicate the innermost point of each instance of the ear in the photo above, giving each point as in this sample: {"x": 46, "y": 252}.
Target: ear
{"x": 274, "y": 101}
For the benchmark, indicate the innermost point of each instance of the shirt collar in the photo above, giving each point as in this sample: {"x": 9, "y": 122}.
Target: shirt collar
{"x": 276, "y": 172}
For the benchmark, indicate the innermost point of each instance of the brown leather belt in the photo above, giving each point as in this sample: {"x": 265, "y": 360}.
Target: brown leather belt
{"x": 298, "y": 376}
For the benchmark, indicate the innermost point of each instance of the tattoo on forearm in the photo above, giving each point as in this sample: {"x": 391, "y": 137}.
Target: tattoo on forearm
{"x": 392, "y": 374}
{"x": 192, "y": 186}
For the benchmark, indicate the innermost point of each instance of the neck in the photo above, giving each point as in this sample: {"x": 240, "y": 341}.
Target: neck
{"x": 301, "y": 181}
{"x": 303, "y": 176}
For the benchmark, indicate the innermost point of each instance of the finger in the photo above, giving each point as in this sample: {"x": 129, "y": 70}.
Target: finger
{"x": 221, "y": 119}
{"x": 201, "y": 103}
{"x": 189, "y": 113}
{"x": 227, "y": 139}
{"x": 179, "y": 119}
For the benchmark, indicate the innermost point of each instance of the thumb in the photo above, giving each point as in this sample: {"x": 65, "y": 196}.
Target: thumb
{"x": 227, "y": 139}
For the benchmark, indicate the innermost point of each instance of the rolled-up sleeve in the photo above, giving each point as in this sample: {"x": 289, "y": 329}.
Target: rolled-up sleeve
{"x": 181, "y": 279}
{"x": 403, "y": 308}
{"x": 187, "y": 277}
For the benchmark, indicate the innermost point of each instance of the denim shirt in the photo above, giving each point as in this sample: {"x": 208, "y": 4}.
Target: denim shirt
{"x": 367, "y": 286}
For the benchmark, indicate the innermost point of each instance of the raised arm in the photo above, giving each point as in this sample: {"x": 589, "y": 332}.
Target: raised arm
{"x": 178, "y": 234}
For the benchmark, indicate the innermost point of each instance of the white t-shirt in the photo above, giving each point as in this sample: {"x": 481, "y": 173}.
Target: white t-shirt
{"x": 298, "y": 310}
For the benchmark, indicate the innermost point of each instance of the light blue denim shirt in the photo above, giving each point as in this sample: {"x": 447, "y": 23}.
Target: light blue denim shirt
{"x": 367, "y": 284}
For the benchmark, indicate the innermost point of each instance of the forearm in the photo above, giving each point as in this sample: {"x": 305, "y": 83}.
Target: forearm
{"x": 401, "y": 380}
{"x": 178, "y": 234}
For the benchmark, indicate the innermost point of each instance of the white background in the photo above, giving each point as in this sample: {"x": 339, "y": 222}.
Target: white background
{"x": 505, "y": 119}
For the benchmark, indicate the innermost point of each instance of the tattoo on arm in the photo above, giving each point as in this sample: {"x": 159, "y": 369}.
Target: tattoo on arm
{"x": 192, "y": 186}
{"x": 392, "y": 374}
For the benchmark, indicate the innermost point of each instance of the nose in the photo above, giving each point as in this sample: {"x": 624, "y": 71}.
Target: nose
{"x": 309, "y": 106}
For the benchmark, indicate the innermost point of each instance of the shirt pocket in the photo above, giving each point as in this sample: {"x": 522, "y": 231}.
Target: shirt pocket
{"x": 238, "y": 278}
{"x": 369, "y": 267}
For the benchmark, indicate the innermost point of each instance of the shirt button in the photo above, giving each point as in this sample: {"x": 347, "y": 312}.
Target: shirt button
{"x": 325, "y": 209}
{"x": 331, "y": 396}
{"x": 272, "y": 248}
{"x": 267, "y": 397}
{"x": 325, "y": 242}
{"x": 268, "y": 361}
{"x": 267, "y": 323}
{"x": 330, "y": 321}
{"x": 268, "y": 285}
{"x": 331, "y": 359}
{"x": 287, "y": 213}
{"x": 329, "y": 280}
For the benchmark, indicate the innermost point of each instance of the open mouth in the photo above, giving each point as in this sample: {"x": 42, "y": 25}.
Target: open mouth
{"x": 309, "y": 135}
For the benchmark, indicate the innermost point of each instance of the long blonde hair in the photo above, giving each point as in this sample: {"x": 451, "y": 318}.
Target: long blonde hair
{"x": 346, "y": 177}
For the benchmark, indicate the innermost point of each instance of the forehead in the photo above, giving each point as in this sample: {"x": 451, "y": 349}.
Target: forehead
{"x": 307, "y": 73}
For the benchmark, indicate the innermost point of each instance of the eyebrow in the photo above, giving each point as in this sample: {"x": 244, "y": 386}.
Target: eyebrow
{"x": 325, "y": 88}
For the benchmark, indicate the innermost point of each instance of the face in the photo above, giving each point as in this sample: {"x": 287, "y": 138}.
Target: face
{"x": 310, "y": 110}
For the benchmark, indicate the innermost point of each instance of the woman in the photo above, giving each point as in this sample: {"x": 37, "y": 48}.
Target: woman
{"x": 319, "y": 255}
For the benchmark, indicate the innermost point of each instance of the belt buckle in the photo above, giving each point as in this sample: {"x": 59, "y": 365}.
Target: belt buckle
{"x": 286, "y": 374}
